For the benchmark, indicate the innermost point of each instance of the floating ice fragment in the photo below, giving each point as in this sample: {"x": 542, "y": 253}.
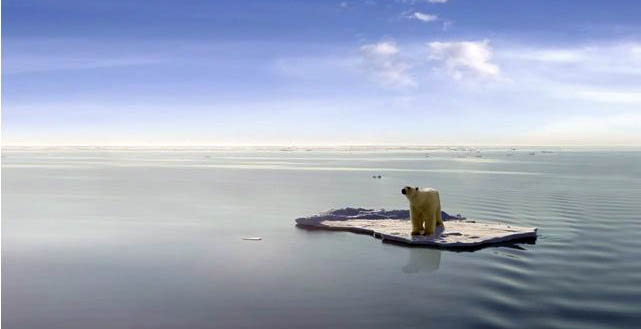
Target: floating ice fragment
{"x": 394, "y": 225}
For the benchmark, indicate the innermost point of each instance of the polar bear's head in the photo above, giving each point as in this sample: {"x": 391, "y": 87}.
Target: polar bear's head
{"x": 409, "y": 191}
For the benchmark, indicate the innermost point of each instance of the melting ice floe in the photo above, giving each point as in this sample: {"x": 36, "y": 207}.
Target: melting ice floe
{"x": 394, "y": 225}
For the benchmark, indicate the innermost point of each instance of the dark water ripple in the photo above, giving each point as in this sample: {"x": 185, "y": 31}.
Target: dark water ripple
{"x": 580, "y": 269}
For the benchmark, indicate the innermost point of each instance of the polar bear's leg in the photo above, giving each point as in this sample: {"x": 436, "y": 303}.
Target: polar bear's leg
{"x": 417, "y": 221}
{"x": 430, "y": 223}
{"x": 439, "y": 219}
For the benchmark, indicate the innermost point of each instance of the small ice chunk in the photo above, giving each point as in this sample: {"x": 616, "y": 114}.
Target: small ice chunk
{"x": 252, "y": 238}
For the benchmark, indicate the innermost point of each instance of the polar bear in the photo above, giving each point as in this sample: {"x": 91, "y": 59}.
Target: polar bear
{"x": 425, "y": 209}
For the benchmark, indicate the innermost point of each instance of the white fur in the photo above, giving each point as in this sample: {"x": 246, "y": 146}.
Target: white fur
{"x": 425, "y": 209}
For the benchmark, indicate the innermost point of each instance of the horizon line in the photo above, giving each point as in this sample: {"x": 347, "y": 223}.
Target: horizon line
{"x": 320, "y": 145}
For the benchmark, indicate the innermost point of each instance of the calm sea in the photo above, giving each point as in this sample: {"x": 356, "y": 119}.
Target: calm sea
{"x": 143, "y": 238}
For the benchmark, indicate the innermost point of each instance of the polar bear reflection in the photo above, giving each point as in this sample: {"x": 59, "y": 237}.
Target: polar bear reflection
{"x": 422, "y": 260}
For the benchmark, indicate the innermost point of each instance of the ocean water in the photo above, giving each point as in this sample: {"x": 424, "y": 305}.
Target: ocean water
{"x": 151, "y": 238}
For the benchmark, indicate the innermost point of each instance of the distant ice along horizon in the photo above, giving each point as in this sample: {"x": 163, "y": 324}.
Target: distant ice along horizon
{"x": 329, "y": 147}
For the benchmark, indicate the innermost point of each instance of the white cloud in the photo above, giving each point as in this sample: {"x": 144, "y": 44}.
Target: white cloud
{"x": 424, "y": 17}
{"x": 384, "y": 49}
{"x": 437, "y": 1}
{"x": 384, "y": 63}
{"x": 465, "y": 59}
{"x": 586, "y": 78}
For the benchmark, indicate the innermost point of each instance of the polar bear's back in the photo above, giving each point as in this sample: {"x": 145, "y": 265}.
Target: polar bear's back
{"x": 427, "y": 197}
{"x": 429, "y": 193}
{"x": 428, "y": 190}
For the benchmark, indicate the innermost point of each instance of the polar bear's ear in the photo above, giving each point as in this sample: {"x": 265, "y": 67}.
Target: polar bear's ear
{"x": 416, "y": 188}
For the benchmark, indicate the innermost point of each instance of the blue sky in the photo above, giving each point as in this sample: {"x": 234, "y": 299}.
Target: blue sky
{"x": 321, "y": 72}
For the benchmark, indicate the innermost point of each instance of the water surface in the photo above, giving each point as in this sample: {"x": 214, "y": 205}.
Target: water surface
{"x": 133, "y": 238}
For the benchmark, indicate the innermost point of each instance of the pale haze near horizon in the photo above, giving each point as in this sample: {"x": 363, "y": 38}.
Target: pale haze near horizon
{"x": 321, "y": 73}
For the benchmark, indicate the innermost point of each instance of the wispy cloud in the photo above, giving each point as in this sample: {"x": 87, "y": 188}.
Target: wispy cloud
{"x": 42, "y": 55}
{"x": 386, "y": 66}
{"x": 596, "y": 73}
{"x": 412, "y": 2}
{"x": 593, "y": 74}
{"x": 609, "y": 96}
{"x": 427, "y": 18}
{"x": 447, "y": 24}
{"x": 619, "y": 129}
{"x": 26, "y": 64}
{"x": 465, "y": 58}
{"x": 554, "y": 55}
{"x": 615, "y": 57}
{"x": 424, "y": 17}
{"x": 384, "y": 49}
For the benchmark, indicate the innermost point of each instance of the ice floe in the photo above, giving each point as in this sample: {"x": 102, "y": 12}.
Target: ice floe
{"x": 394, "y": 226}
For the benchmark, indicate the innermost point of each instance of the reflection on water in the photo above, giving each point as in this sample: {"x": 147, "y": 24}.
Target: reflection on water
{"x": 422, "y": 260}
